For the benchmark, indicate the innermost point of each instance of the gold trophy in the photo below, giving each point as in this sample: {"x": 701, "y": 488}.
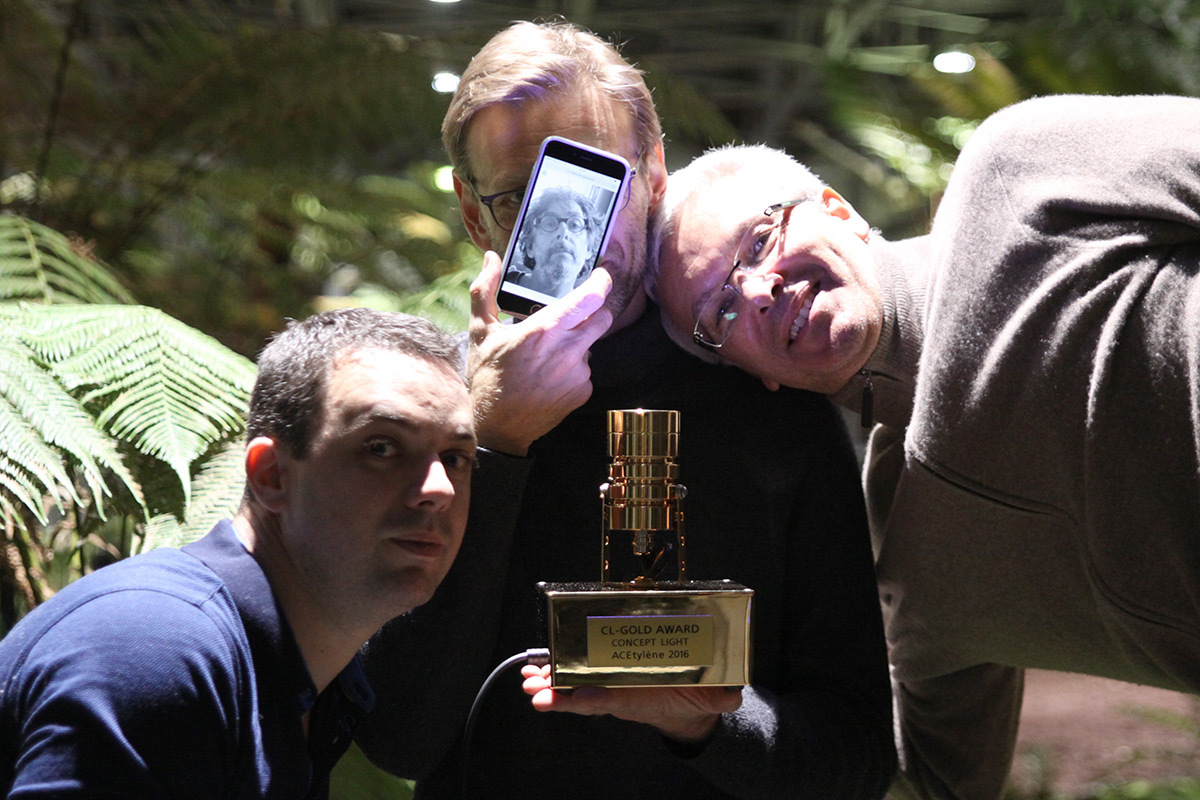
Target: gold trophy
{"x": 645, "y": 623}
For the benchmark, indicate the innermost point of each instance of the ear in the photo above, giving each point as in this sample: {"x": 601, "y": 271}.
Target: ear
{"x": 836, "y": 206}
{"x": 656, "y": 176}
{"x": 265, "y": 472}
{"x": 472, "y": 214}
{"x": 770, "y": 384}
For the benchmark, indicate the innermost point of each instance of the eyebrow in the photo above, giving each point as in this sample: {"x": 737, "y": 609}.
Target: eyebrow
{"x": 461, "y": 432}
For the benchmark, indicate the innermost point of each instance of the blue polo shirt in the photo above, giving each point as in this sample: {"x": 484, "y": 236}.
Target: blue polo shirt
{"x": 170, "y": 674}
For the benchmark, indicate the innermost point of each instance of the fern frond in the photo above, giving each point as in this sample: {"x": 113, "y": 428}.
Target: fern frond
{"x": 38, "y": 264}
{"x": 216, "y": 495}
{"x": 40, "y": 423}
{"x": 152, "y": 381}
{"x": 15, "y": 482}
{"x": 30, "y": 466}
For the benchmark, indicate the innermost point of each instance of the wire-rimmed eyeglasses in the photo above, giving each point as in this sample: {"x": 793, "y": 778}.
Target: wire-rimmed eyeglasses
{"x": 721, "y": 311}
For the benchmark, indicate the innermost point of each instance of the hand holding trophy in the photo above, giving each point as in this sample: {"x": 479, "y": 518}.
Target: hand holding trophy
{"x": 644, "y": 623}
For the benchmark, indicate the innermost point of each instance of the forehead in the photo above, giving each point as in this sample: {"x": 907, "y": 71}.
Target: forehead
{"x": 709, "y": 225}
{"x": 557, "y": 205}
{"x": 503, "y": 140}
{"x": 376, "y": 383}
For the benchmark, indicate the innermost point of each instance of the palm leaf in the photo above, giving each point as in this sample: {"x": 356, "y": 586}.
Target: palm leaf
{"x": 151, "y": 381}
{"x": 216, "y": 495}
{"x": 40, "y": 423}
{"x": 39, "y": 264}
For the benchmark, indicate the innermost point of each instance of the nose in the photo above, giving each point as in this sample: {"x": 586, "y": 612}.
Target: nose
{"x": 761, "y": 288}
{"x": 433, "y": 490}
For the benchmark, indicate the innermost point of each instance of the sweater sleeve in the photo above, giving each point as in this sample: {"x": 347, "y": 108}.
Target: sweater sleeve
{"x": 826, "y": 728}
{"x": 133, "y": 694}
{"x": 427, "y": 666}
{"x": 981, "y": 705}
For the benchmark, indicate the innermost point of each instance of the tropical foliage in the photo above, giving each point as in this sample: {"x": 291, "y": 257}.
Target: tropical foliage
{"x": 229, "y": 165}
{"x": 106, "y": 411}
{"x": 229, "y": 169}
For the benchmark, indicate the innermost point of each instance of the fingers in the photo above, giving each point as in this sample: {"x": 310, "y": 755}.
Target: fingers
{"x": 632, "y": 703}
{"x": 579, "y": 306}
{"x": 534, "y": 671}
{"x": 537, "y": 686}
{"x": 484, "y": 310}
{"x": 574, "y": 323}
{"x": 525, "y": 378}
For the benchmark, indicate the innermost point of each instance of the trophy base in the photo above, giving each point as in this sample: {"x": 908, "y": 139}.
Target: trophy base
{"x": 692, "y": 634}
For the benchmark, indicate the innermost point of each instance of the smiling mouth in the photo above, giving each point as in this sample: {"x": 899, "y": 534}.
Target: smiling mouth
{"x": 805, "y": 309}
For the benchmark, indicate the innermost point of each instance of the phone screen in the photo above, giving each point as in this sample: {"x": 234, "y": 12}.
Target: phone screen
{"x": 564, "y": 223}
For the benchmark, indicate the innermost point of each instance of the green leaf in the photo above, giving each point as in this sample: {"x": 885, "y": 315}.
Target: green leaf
{"x": 40, "y": 424}
{"x": 216, "y": 494}
{"x": 167, "y": 389}
{"x": 39, "y": 264}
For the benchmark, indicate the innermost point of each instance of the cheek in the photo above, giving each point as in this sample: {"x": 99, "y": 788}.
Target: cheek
{"x": 629, "y": 235}
{"x": 461, "y": 503}
{"x": 497, "y": 237}
{"x": 629, "y": 219}
{"x": 457, "y": 516}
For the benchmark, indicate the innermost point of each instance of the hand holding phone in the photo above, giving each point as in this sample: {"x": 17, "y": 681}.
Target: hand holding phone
{"x": 526, "y": 377}
{"x": 564, "y": 224}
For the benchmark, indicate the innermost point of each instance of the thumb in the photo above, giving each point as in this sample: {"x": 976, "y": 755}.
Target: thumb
{"x": 578, "y": 305}
{"x": 484, "y": 310}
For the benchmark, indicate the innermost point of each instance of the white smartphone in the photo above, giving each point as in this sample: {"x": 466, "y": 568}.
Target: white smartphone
{"x": 564, "y": 224}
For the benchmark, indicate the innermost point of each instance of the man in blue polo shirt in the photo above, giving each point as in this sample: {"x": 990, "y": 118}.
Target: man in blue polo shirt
{"x": 228, "y": 669}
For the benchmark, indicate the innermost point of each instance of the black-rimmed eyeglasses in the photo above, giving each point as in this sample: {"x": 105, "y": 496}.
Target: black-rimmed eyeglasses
{"x": 505, "y": 206}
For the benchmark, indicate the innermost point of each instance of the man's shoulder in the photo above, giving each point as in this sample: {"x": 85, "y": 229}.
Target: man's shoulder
{"x": 149, "y": 577}
{"x": 163, "y": 602}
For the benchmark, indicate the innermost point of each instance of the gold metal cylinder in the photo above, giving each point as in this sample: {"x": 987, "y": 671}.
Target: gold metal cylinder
{"x": 641, "y": 489}
{"x": 643, "y": 433}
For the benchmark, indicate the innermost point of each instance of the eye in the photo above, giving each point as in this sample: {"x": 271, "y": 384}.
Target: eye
{"x": 725, "y": 314}
{"x": 758, "y": 247}
{"x": 725, "y": 310}
{"x": 381, "y": 448}
{"x": 458, "y": 460}
{"x": 510, "y": 201}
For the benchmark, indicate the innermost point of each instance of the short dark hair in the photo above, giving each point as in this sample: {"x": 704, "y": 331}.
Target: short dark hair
{"x": 292, "y": 369}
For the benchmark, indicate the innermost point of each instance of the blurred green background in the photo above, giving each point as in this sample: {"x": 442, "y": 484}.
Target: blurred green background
{"x": 182, "y": 176}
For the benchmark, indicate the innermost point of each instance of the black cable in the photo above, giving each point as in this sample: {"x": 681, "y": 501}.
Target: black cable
{"x": 539, "y": 656}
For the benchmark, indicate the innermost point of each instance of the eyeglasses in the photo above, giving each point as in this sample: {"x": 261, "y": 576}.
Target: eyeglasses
{"x": 548, "y": 223}
{"x": 505, "y": 206}
{"x": 720, "y": 313}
